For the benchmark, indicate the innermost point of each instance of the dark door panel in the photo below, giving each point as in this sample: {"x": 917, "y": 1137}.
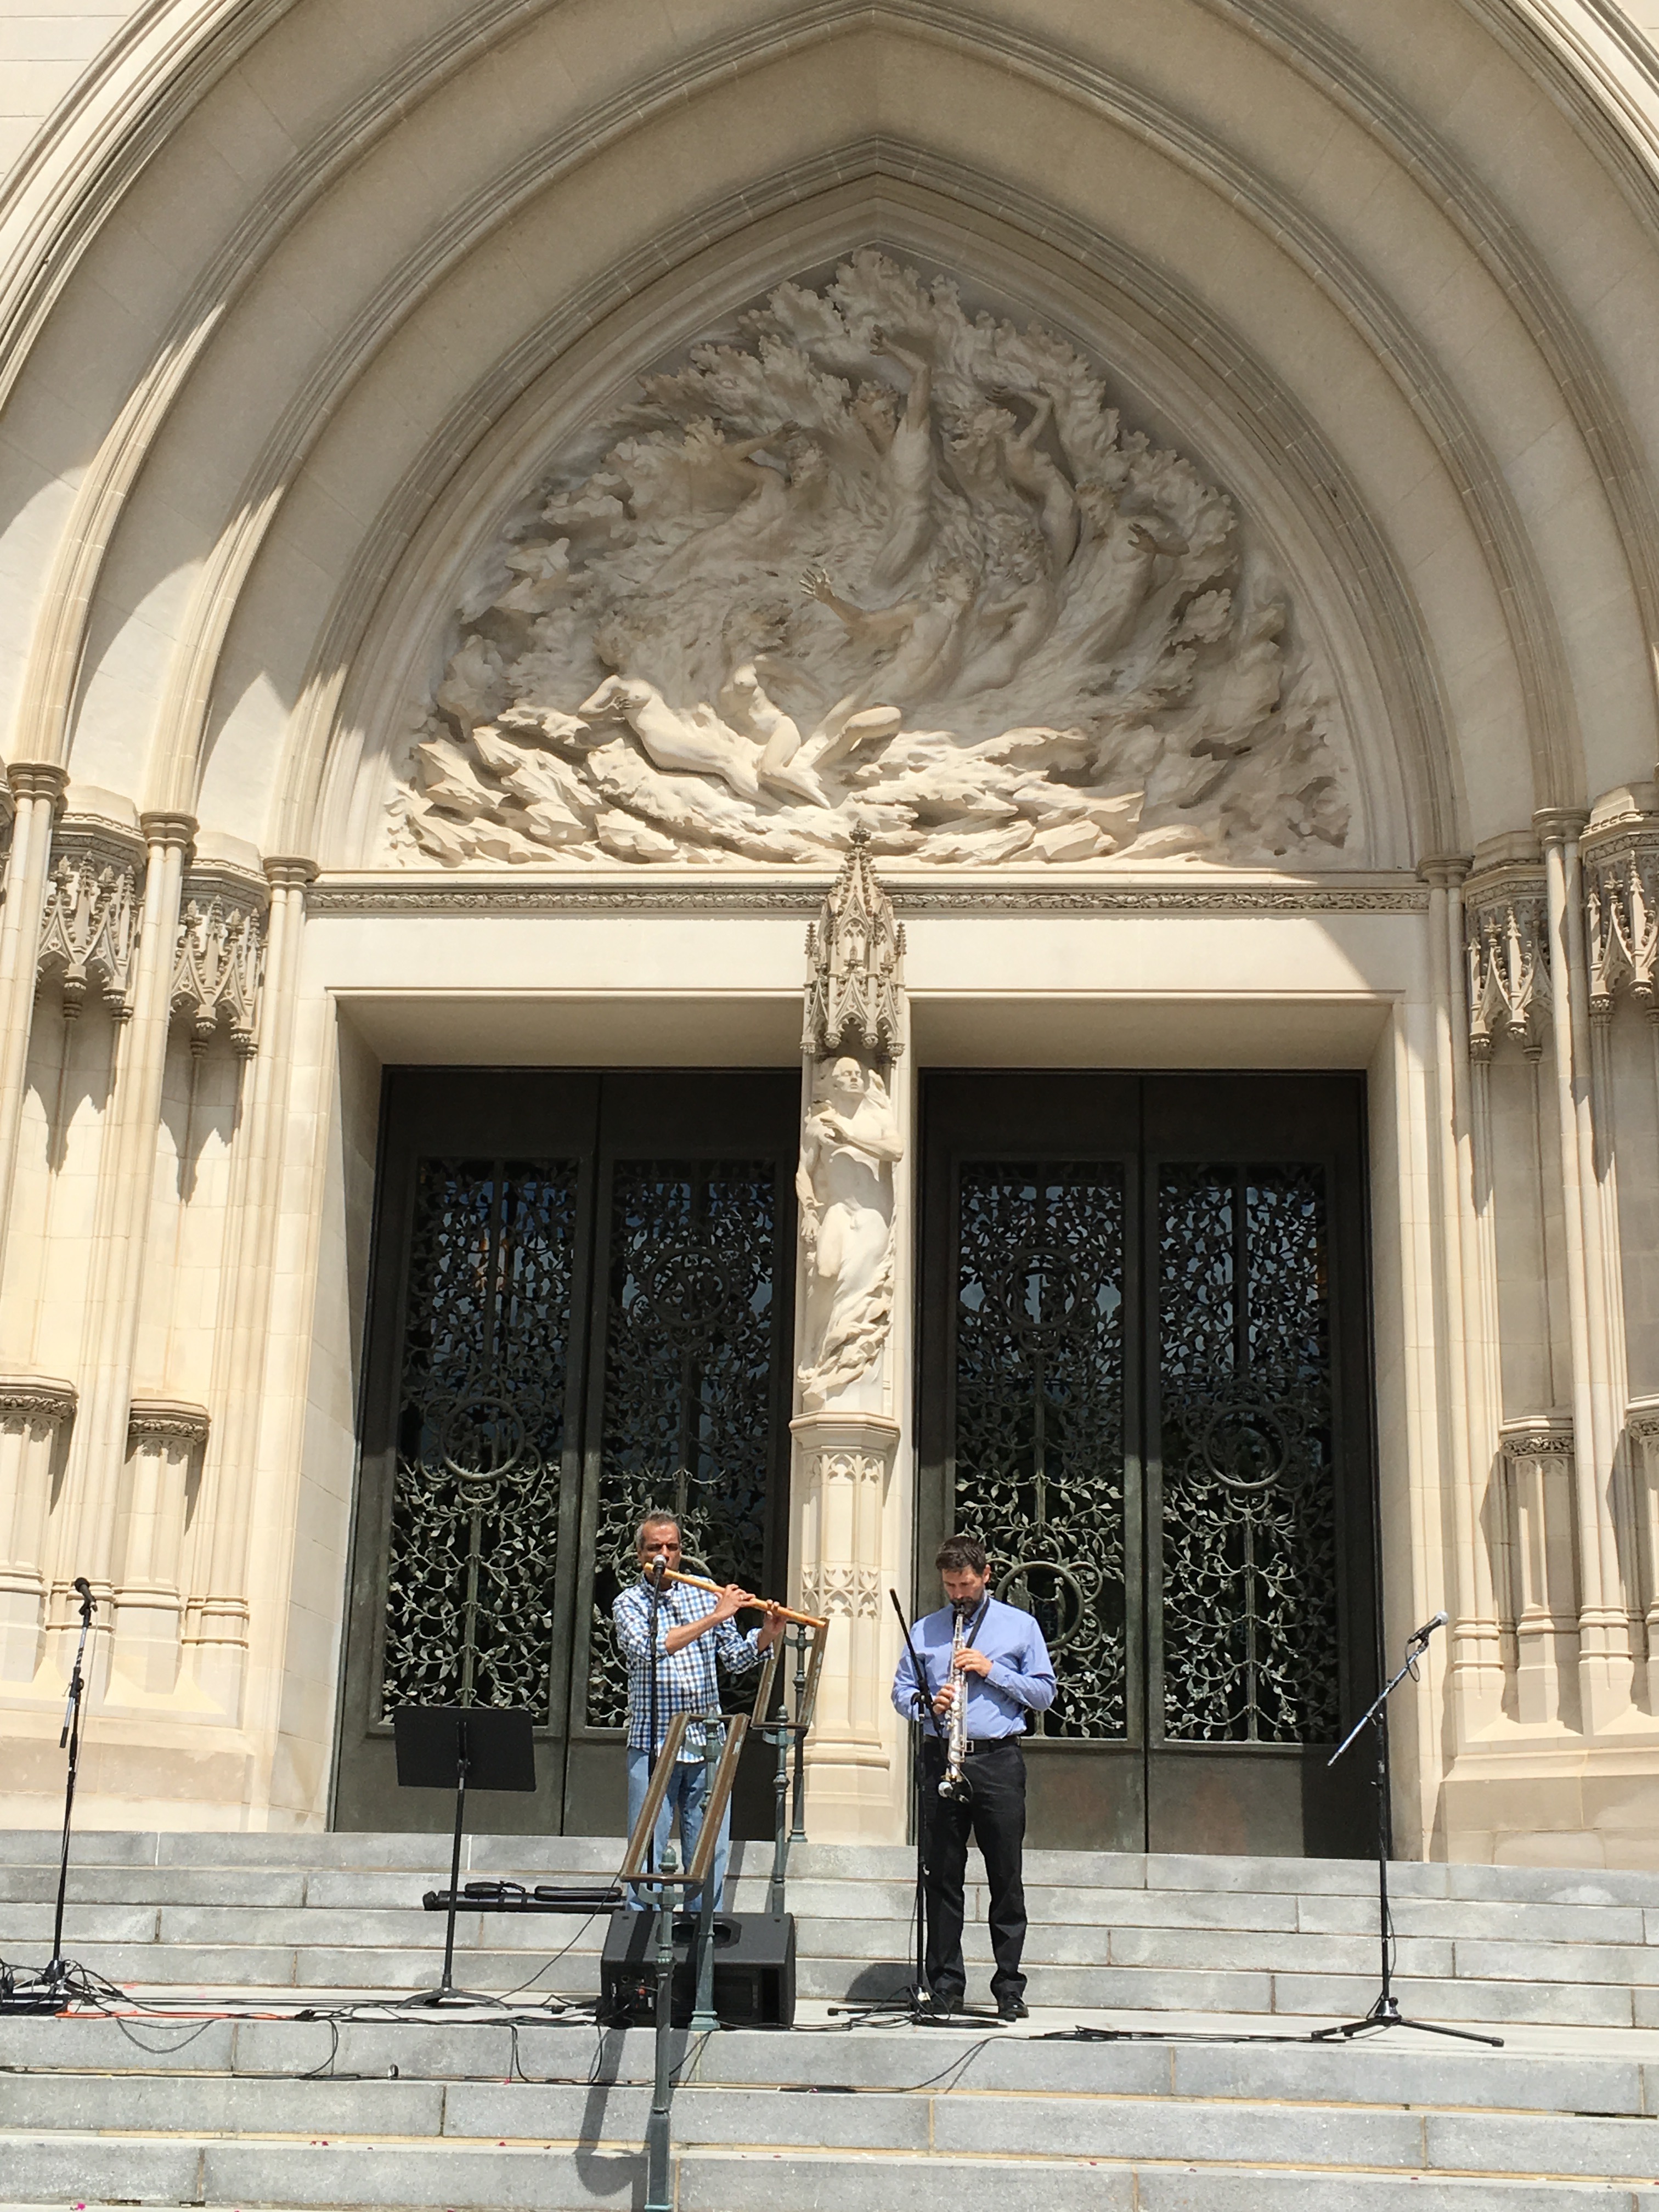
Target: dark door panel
{"x": 1261, "y": 1629}
{"x": 689, "y": 1384}
{"x": 1146, "y": 1383}
{"x": 1030, "y": 1408}
{"x": 581, "y": 1306}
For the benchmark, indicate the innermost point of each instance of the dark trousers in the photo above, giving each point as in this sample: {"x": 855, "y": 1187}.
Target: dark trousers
{"x": 994, "y": 1816}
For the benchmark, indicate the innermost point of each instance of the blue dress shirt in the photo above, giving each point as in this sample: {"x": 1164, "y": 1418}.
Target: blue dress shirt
{"x": 1021, "y": 1680}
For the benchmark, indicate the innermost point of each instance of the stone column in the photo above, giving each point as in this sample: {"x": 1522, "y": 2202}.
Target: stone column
{"x": 1538, "y": 1465}
{"x": 1620, "y": 859}
{"x": 164, "y": 1436}
{"x": 1477, "y": 1677}
{"x": 128, "y": 1175}
{"x": 217, "y": 1629}
{"x": 37, "y": 791}
{"x": 1606, "y": 1666}
{"x": 855, "y": 1234}
{"x": 33, "y": 1414}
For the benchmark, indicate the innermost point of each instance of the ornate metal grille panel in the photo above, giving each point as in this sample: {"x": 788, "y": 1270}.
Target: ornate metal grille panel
{"x": 469, "y": 1604}
{"x": 1039, "y": 1417}
{"x": 1249, "y": 1565}
{"x": 688, "y": 1416}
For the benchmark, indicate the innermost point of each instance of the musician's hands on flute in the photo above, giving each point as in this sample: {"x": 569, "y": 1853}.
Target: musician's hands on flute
{"x": 732, "y": 1599}
{"x": 970, "y": 1661}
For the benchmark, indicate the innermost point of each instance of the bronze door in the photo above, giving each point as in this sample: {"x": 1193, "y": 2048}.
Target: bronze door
{"x": 580, "y": 1307}
{"x": 1146, "y": 1383}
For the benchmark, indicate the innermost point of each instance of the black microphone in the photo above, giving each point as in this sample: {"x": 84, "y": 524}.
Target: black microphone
{"x": 83, "y": 1585}
{"x": 1422, "y": 1635}
{"x": 656, "y": 1572}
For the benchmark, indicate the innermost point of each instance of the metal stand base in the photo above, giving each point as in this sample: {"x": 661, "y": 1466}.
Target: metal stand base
{"x": 1386, "y": 2013}
{"x": 432, "y": 2000}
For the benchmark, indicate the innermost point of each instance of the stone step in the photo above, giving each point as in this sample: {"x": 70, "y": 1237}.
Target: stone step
{"x": 156, "y": 1968}
{"x": 1108, "y": 1930}
{"x": 427, "y": 1856}
{"x": 536, "y": 2148}
{"x": 408, "y": 2052}
{"x": 362, "y": 1892}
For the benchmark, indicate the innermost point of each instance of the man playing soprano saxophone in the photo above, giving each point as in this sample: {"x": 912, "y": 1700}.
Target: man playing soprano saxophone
{"x": 1004, "y": 1671}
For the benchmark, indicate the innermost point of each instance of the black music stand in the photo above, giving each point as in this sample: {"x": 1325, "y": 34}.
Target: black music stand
{"x": 452, "y": 1748}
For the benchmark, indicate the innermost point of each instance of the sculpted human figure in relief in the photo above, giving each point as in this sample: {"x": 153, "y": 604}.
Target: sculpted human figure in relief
{"x": 1024, "y": 636}
{"x": 845, "y": 1184}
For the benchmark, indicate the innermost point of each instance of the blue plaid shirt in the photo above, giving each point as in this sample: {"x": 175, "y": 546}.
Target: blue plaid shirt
{"x": 686, "y": 1679}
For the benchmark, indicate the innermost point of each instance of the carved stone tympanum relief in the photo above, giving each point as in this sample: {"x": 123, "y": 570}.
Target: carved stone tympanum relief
{"x": 875, "y": 560}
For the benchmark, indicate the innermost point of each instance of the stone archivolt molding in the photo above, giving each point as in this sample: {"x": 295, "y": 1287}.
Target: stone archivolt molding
{"x": 89, "y": 918}
{"x": 1507, "y": 944}
{"x": 219, "y": 961}
{"x": 165, "y": 1420}
{"x": 35, "y": 1398}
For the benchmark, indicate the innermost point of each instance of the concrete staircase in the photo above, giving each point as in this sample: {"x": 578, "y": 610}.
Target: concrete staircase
{"x": 420, "y": 2113}
{"x": 1292, "y": 1936}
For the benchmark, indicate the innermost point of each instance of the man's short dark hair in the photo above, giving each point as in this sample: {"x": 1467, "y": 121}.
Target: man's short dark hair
{"x": 655, "y": 1521}
{"x": 959, "y": 1555}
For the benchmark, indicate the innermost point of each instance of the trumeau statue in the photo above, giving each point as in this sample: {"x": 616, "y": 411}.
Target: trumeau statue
{"x": 853, "y": 1032}
{"x": 875, "y": 562}
{"x": 849, "y": 1144}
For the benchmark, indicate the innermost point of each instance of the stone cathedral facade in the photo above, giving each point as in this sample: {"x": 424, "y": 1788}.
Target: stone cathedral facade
{"x": 868, "y": 770}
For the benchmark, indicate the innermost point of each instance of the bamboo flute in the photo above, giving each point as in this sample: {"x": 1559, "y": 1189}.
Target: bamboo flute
{"x": 697, "y": 1581}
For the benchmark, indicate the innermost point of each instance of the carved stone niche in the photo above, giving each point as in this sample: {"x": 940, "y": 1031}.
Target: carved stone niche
{"x": 869, "y": 557}
{"x": 1506, "y": 942}
{"x": 219, "y": 957}
{"x": 165, "y": 1436}
{"x": 89, "y": 917}
{"x": 1538, "y": 1462}
{"x": 35, "y": 1413}
{"x": 1619, "y": 852}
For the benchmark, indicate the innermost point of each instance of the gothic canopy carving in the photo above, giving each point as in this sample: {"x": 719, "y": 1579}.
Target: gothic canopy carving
{"x": 873, "y": 560}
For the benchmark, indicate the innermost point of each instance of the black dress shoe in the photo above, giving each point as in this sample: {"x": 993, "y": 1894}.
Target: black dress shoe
{"x": 1009, "y": 2009}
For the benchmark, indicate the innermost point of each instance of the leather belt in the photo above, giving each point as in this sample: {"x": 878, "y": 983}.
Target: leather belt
{"x": 976, "y": 1744}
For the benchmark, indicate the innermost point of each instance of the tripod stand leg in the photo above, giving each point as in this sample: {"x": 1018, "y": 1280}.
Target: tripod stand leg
{"x": 448, "y": 1982}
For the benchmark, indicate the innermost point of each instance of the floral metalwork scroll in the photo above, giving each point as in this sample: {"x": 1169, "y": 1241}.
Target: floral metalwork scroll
{"x": 1039, "y": 1415}
{"x": 690, "y": 1368}
{"x": 1249, "y": 1644}
{"x": 475, "y": 1504}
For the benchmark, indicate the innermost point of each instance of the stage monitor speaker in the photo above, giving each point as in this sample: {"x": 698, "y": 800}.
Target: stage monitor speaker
{"x": 754, "y": 1970}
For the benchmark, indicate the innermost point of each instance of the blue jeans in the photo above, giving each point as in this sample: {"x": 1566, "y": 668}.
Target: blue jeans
{"x": 687, "y": 1788}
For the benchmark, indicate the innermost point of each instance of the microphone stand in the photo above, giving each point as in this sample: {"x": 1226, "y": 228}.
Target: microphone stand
{"x": 1386, "y": 2012}
{"x": 50, "y": 1992}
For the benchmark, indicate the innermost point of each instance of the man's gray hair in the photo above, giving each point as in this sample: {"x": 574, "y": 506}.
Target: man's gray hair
{"x": 656, "y": 1521}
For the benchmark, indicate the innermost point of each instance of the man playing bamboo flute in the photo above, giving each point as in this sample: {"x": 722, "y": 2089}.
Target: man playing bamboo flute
{"x": 694, "y": 1628}
{"x": 1004, "y": 1672}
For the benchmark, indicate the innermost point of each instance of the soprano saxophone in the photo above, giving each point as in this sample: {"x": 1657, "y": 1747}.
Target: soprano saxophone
{"x": 954, "y": 1783}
